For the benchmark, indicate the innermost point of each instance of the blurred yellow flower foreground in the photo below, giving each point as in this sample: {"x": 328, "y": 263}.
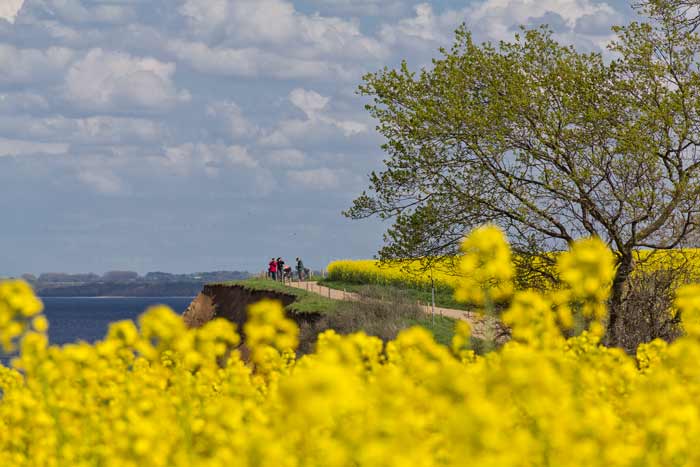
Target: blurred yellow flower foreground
{"x": 158, "y": 394}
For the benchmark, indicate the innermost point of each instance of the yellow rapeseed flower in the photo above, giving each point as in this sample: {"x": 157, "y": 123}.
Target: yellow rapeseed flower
{"x": 487, "y": 268}
{"x": 160, "y": 394}
{"x": 687, "y": 303}
{"x": 587, "y": 269}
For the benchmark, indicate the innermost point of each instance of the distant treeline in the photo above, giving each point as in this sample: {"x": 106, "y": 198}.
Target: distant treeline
{"x": 115, "y": 289}
{"x": 131, "y": 276}
{"x": 127, "y": 283}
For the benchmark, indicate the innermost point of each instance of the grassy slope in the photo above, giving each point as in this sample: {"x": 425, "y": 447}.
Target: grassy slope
{"x": 442, "y": 328}
{"x": 306, "y": 302}
{"x": 442, "y": 298}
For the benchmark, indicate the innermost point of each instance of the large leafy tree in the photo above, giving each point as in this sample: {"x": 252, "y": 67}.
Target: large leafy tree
{"x": 685, "y": 13}
{"x": 550, "y": 143}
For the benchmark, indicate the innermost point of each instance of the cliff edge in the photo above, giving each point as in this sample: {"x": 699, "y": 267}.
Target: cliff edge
{"x": 231, "y": 301}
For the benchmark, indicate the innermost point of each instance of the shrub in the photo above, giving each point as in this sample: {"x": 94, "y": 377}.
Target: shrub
{"x": 645, "y": 312}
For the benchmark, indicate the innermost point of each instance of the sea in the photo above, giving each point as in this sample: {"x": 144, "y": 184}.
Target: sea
{"x": 73, "y": 319}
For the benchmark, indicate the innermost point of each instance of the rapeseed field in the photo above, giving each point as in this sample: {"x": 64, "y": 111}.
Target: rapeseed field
{"x": 445, "y": 273}
{"x": 409, "y": 274}
{"x": 156, "y": 393}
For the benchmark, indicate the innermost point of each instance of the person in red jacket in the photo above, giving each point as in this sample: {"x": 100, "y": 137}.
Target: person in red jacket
{"x": 272, "y": 269}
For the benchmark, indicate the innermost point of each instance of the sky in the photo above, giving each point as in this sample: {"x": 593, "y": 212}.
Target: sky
{"x": 200, "y": 135}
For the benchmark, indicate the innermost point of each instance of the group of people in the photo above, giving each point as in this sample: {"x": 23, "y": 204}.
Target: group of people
{"x": 277, "y": 270}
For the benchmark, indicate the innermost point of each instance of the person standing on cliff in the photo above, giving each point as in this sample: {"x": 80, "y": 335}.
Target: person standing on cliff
{"x": 300, "y": 269}
{"x": 272, "y": 269}
{"x": 280, "y": 269}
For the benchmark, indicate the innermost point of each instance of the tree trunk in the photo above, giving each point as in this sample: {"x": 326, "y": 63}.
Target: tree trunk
{"x": 615, "y": 321}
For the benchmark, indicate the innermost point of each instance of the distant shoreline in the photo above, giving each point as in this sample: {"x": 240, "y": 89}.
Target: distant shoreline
{"x": 152, "y": 285}
{"x": 123, "y": 290}
{"x": 118, "y": 296}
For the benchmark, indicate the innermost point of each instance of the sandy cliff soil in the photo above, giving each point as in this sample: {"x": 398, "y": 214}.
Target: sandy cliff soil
{"x": 231, "y": 302}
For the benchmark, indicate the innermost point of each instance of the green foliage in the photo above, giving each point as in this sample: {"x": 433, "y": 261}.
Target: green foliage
{"x": 442, "y": 328}
{"x": 547, "y": 142}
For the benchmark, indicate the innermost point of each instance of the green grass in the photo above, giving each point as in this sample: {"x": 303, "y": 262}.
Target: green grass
{"x": 305, "y": 302}
{"x": 443, "y": 298}
{"x": 443, "y": 328}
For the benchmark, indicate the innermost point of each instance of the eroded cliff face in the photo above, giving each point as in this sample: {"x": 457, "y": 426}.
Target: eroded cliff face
{"x": 231, "y": 302}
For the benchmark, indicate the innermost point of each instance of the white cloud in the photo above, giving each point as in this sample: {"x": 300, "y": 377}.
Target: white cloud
{"x": 231, "y": 118}
{"x": 350, "y": 127}
{"x": 107, "y": 80}
{"x": 25, "y": 66}
{"x": 204, "y": 15}
{"x": 92, "y": 130}
{"x": 254, "y": 62}
{"x": 22, "y": 102}
{"x": 364, "y": 7}
{"x": 115, "y": 130}
{"x": 423, "y": 29}
{"x": 518, "y": 11}
{"x": 102, "y": 181}
{"x": 277, "y": 22}
{"x": 425, "y": 25}
{"x": 310, "y": 102}
{"x": 9, "y": 9}
{"x": 498, "y": 17}
{"x": 320, "y": 131}
{"x": 77, "y": 11}
{"x": 598, "y": 23}
{"x": 220, "y": 61}
{"x": 15, "y": 147}
{"x": 314, "y": 179}
{"x": 117, "y": 123}
{"x": 190, "y": 157}
{"x": 318, "y": 120}
{"x": 60, "y": 33}
{"x": 496, "y": 20}
{"x": 112, "y": 13}
{"x": 287, "y": 158}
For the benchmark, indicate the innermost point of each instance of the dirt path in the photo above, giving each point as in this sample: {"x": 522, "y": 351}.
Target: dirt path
{"x": 478, "y": 324}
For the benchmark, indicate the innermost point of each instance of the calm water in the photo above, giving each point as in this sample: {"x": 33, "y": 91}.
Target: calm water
{"x": 87, "y": 319}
